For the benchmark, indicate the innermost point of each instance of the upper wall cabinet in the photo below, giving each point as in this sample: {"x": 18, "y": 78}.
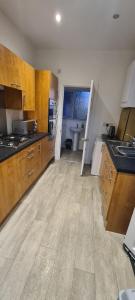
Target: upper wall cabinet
{"x": 16, "y": 73}
{"x": 10, "y": 66}
{"x": 46, "y": 87}
{"x": 28, "y": 87}
{"x": 53, "y": 86}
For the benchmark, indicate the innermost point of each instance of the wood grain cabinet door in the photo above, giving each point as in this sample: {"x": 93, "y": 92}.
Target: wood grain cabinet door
{"x": 130, "y": 127}
{"x": 28, "y": 83}
{"x": 29, "y": 165}
{"x": 53, "y": 87}
{"x": 9, "y": 187}
{"x": 10, "y": 69}
{"x": 122, "y": 204}
{"x": 44, "y": 153}
{"x": 108, "y": 176}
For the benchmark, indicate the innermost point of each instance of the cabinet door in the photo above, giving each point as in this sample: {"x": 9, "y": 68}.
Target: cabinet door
{"x": 122, "y": 203}
{"x": 51, "y": 147}
{"x": 10, "y": 71}
{"x": 130, "y": 127}
{"x": 44, "y": 153}
{"x": 9, "y": 188}
{"x": 108, "y": 175}
{"x": 47, "y": 151}
{"x": 29, "y": 165}
{"x": 28, "y": 87}
{"x": 123, "y": 123}
{"x": 53, "y": 87}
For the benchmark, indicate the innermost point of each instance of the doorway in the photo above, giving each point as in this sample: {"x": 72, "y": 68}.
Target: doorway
{"x": 75, "y": 108}
{"x": 87, "y": 140}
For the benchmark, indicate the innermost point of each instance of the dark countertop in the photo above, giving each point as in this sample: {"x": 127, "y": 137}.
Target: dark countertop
{"x": 121, "y": 163}
{"x": 5, "y": 152}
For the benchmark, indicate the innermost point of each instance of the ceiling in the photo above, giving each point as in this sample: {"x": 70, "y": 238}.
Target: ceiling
{"x": 86, "y": 24}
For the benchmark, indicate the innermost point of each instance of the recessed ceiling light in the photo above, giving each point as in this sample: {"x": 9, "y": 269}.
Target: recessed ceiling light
{"x": 116, "y": 16}
{"x": 58, "y": 18}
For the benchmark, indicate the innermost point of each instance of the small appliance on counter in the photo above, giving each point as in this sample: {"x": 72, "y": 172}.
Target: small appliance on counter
{"x": 110, "y": 131}
{"x": 24, "y": 127}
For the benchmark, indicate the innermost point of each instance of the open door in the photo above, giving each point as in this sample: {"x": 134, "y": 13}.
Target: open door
{"x": 86, "y": 137}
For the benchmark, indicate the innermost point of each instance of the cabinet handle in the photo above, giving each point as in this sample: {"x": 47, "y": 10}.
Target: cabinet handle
{"x": 31, "y": 151}
{"x": 15, "y": 85}
{"x": 110, "y": 175}
{"x": 30, "y": 173}
{"x": 39, "y": 148}
{"x": 30, "y": 156}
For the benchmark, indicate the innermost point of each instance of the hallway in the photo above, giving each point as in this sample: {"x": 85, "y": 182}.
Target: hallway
{"x": 54, "y": 246}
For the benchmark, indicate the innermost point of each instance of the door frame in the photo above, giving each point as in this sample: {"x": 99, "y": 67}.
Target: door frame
{"x": 87, "y": 128}
{"x": 61, "y": 88}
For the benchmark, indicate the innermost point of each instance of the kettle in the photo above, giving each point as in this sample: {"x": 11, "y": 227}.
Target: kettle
{"x": 111, "y": 131}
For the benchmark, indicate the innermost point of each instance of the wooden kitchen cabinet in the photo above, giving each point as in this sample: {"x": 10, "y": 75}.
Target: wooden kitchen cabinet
{"x": 118, "y": 195}
{"x": 108, "y": 176}
{"x": 9, "y": 186}
{"x": 18, "y": 74}
{"x": 123, "y": 123}
{"x": 126, "y": 128}
{"x": 46, "y": 87}
{"x": 130, "y": 128}
{"x": 29, "y": 165}
{"x": 10, "y": 74}
{"x": 28, "y": 87}
{"x": 20, "y": 171}
{"x": 47, "y": 151}
{"x": 53, "y": 87}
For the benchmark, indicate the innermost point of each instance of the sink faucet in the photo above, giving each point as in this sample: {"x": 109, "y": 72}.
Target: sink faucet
{"x": 132, "y": 141}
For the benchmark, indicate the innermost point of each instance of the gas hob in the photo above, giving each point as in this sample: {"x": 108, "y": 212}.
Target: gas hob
{"x": 13, "y": 141}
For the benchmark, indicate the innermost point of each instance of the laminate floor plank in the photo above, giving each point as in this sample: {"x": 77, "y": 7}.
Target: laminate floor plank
{"x": 55, "y": 247}
{"x": 84, "y": 258}
{"x": 5, "y": 265}
{"x": 19, "y": 271}
{"x": 39, "y": 277}
{"x": 83, "y": 286}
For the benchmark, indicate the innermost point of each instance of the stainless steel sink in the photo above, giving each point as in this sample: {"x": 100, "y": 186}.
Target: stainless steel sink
{"x": 126, "y": 151}
{"x": 120, "y": 143}
{"x": 123, "y": 149}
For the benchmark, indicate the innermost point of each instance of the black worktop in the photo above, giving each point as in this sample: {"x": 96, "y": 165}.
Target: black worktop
{"x": 5, "y": 152}
{"x": 121, "y": 163}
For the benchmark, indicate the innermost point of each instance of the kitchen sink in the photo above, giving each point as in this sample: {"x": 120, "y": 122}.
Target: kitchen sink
{"x": 123, "y": 149}
{"x": 120, "y": 143}
{"x": 126, "y": 151}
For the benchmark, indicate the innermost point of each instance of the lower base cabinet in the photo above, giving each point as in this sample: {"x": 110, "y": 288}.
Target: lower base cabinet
{"x": 118, "y": 195}
{"x": 20, "y": 171}
{"x": 9, "y": 186}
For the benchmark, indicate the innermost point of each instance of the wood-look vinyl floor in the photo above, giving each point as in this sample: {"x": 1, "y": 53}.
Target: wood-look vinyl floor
{"x": 72, "y": 156}
{"x": 55, "y": 247}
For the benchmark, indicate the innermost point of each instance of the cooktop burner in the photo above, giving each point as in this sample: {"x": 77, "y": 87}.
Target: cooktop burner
{"x": 12, "y": 141}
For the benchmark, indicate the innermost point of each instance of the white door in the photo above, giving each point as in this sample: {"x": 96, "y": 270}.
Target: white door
{"x": 85, "y": 140}
{"x": 59, "y": 121}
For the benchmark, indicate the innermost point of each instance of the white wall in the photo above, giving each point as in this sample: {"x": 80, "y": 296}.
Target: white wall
{"x": 11, "y": 37}
{"x": 107, "y": 68}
